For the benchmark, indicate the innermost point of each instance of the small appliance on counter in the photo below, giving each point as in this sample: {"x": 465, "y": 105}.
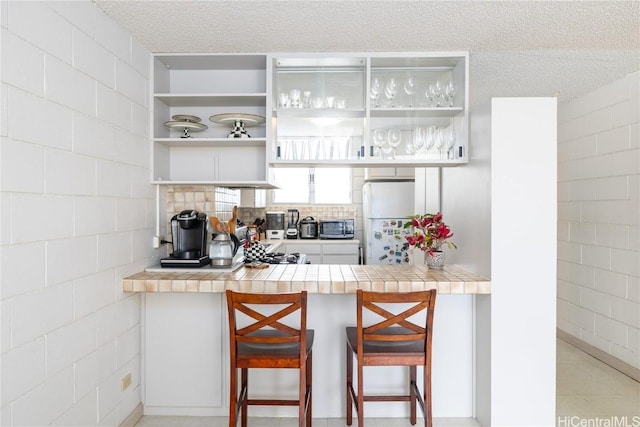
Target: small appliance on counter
{"x": 223, "y": 249}
{"x": 308, "y": 228}
{"x": 292, "y": 226}
{"x": 275, "y": 225}
{"x": 337, "y": 228}
{"x": 189, "y": 240}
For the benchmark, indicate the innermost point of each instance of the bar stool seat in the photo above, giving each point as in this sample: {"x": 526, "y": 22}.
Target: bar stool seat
{"x": 393, "y": 340}
{"x": 264, "y": 341}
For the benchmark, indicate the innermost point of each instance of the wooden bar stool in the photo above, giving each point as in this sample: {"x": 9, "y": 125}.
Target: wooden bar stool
{"x": 391, "y": 341}
{"x": 267, "y": 343}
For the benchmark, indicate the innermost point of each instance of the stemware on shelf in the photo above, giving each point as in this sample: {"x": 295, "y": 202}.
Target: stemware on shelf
{"x": 410, "y": 88}
{"x": 429, "y": 139}
{"x": 441, "y": 142}
{"x": 450, "y": 91}
{"x": 418, "y": 138}
{"x": 450, "y": 139}
{"x": 394, "y": 138}
{"x": 391, "y": 90}
{"x": 376, "y": 90}
{"x": 380, "y": 139}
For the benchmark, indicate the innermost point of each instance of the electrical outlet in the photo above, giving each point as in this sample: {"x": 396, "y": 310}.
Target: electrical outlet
{"x": 157, "y": 241}
{"x": 126, "y": 381}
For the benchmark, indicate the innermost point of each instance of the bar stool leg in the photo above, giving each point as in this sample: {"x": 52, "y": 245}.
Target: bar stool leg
{"x": 244, "y": 378}
{"x": 310, "y": 387}
{"x": 349, "y": 385}
{"x": 428, "y": 413}
{"x": 360, "y": 394}
{"x": 233, "y": 385}
{"x": 412, "y": 394}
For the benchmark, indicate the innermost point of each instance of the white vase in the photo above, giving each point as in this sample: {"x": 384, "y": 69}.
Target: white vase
{"x": 416, "y": 257}
{"x": 435, "y": 259}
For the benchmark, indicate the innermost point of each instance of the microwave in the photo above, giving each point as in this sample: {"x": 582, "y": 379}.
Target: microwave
{"x": 336, "y": 228}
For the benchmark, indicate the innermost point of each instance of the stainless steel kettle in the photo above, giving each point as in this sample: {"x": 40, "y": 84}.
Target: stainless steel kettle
{"x": 222, "y": 249}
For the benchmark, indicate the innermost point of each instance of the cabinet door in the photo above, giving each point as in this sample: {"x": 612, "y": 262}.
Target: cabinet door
{"x": 181, "y": 368}
{"x": 389, "y": 173}
{"x": 308, "y": 249}
{"x": 340, "y": 259}
{"x": 418, "y": 108}
{"x": 319, "y": 108}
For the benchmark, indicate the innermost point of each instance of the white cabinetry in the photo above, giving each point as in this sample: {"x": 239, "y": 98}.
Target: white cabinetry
{"x": 320, "y": 109}
{"x": 203, "y": 86}
{"x": 389, "y": 173}
{"x": 342, "y": 109}
{"x": 327, "y": 252}
{"x": 344, "y": 253}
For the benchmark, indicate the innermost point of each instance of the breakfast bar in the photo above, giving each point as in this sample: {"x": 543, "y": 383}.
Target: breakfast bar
{"x": 185, "y": 338}
{"x": 321, "y": 279}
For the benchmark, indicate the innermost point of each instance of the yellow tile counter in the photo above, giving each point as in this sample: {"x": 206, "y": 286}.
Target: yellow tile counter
{"x": 321, "y": 279}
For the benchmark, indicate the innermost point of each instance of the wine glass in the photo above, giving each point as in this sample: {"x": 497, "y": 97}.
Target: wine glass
{"x": 429, "y": 139}
{"x": 379, "y": 139}
{"x": 441, "y": 141}
{"x": 430, "y": 94}
{"x": 410, "y": 88}
{"x": 418, "y": 138}
{"x": 376, "y": 90}
{"x": 437, "y": 93}
{"x": 391, "y": 90}
{"x": 394, "y": 138}
{"x": 450, "y": 91}
{"x": 450, "y": 140}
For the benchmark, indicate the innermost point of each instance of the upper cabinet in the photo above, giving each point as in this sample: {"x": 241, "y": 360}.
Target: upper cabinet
{"x": 209, "y": 115}
{"x": 226, "y": 119}
{"x": 382, "y": 109}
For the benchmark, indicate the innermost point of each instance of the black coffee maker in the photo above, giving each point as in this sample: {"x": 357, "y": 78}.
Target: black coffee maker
{"x": 189, "y": 238}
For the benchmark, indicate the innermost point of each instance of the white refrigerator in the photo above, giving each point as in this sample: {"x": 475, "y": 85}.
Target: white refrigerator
{"x": 387, "y": 206}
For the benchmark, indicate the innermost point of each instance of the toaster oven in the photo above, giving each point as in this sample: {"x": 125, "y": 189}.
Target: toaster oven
{"x": 337, "y": 228}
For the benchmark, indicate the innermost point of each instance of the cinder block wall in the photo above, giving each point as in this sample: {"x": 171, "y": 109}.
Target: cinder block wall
{"x": 598, "y": 219}
{"x": 77, "y": 213}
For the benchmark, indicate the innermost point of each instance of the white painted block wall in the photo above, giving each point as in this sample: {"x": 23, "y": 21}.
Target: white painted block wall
{"x": 599, "y": 219}
{"x": 77, "y": 213}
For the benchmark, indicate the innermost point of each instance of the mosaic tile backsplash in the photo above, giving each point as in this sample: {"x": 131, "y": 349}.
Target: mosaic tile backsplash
{"x": 219, "y": 202}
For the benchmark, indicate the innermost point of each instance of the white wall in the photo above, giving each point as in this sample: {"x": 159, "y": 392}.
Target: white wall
{"x": 599, "y": 219}
{"x": 77, "y": 213}
{"x": 493, "y": 204}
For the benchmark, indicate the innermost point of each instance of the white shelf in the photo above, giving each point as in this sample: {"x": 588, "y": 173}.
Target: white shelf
{"x": 212, "y": 99}
{"x": 212, "y": 142}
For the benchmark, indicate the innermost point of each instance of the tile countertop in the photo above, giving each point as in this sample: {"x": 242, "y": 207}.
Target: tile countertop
{"x": 322, "y": 279}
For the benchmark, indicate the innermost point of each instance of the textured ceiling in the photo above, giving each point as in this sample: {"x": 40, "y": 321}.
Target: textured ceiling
{"x": 517, "y": 48}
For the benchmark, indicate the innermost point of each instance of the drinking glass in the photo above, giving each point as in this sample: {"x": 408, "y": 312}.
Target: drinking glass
{"x": 429, "y": 139}
{"x": 294, "y": 98}
{"x": 450, "y": 140}
{"x": 379, "y": 139}
{"x": 430, "y": 94}
{"x": 441, "y": 142}
{"x": 306, "y": 99}
{"x": 418, "y": 138}
{"x": 450, "y": 91}
{"x": 437, "y": 93}
{"x": 283, "y": 100}
{"x": 394, "y": 138}
{"x": 391, "y": 90}
{"x": 376, "y": 90}
{"x": 410, "y": 88}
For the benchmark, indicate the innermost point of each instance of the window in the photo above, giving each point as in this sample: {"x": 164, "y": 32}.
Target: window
{"x": 310, "y": 185}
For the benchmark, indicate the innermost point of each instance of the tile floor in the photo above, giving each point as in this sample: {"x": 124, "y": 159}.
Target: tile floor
{"x": 588, "y": 392}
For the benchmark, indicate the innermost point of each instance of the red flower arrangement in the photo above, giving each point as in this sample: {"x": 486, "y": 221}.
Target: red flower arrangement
{"x": 429, "y": 232}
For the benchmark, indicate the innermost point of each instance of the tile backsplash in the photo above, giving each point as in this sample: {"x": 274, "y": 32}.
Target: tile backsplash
{"x": 216, "y": 201}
